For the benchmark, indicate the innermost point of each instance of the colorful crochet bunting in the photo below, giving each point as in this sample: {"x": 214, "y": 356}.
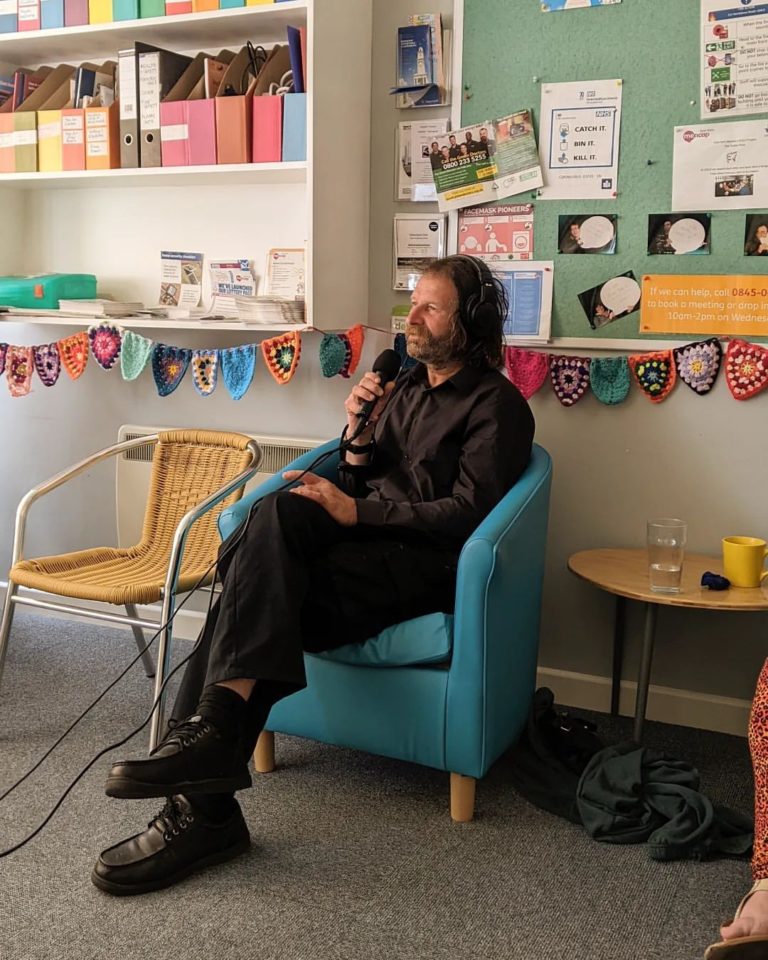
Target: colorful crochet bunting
{"x": 47, "y": 363}
{"x": 609, "y": 378}
{"x": 746, "y": 369}
{"x": 106, "y": 340}
{"x": 698, "y": 364}
{"x": 332, "y": 353}
{"x": 74, "y": 353}
{"x": 655, "y": 374}
{"x": 570, "y": 378}
{"x": 3, "y": 352}
{"x": 18, "y": 368}
{"x": 281, "y": 355}
{"x": 237, "y": 368}
{"x": 134, "y": 354}
{"x": 205, "y": 371}
{"x": 526, "y": 369}
{"x": 169, "y": 364}
{"x": 353, "y": 341}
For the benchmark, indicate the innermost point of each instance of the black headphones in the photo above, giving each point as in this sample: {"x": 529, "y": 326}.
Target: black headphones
{"x": 481, "y": 308}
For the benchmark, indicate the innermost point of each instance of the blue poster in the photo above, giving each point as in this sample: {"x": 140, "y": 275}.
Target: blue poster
{"x": 550, "y": 6}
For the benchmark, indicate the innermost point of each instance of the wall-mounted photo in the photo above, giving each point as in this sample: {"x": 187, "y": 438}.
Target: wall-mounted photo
{"x": 587, "y": 234}
{"x": 607, "y": 302}
{"x": 737, "y": 186}
{"x": 678, "y": 233}
{"x": 756, "y": 235}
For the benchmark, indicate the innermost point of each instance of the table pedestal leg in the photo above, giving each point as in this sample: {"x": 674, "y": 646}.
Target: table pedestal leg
{"x": 644, "y": 678}
{"x": 618, "y": 653}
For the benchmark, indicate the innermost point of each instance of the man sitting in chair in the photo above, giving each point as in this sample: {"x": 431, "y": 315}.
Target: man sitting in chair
{"x": 323, "y": 565}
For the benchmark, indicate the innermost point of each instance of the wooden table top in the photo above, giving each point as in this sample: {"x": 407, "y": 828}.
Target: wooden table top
{"x": 625, "y": 572}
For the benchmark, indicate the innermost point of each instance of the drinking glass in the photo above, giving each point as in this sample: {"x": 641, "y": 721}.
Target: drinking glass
{"x": 666, "y": 545}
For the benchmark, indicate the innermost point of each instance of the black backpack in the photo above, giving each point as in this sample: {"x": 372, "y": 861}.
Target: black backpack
{"x": 550, "y": 756}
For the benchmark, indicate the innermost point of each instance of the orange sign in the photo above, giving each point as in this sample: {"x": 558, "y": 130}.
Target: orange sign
{"x": 724, "y": 305}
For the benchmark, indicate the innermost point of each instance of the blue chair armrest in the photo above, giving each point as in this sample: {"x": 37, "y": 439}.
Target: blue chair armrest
{"x": 496, "y": 624}
{"x": 230, "y": 519}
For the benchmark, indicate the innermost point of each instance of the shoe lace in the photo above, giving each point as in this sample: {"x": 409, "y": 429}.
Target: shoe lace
{"x": 185, "y": 732}
{"x": 171, "y": 820}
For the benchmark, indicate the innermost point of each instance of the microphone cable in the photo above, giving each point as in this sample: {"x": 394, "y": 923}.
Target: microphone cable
{"x": 113, "y": 746}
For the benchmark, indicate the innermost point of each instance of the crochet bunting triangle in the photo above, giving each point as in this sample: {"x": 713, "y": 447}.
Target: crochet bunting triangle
{"x": 655, "y": 374}
{"x": 134, "y": 354}
{"x": 526, "y": 369}
{"x": 169, "y": 364}
{"x": 570, "y": 378}
{"x": 698, "y": 364}
{"x": 47, "y": 363}
{"x": 106, "y": 340}
{"x": 281, "y": 355}
{"x": 609, "y": 379}
{"x": 205, "y": 371}
{"x": 18, "y": 369}
{"x": 74, "y": 353}
{"x": 746, "y": 369}
{"x": 237, "y": 368}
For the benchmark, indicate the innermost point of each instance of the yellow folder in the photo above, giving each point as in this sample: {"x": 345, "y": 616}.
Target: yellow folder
{"x": 100, "y": 11}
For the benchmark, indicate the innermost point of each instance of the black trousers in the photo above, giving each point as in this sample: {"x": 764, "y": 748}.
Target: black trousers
{"x": 294, "y": 579}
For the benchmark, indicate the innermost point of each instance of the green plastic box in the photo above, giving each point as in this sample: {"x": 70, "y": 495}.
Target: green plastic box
{"x": 45, "y": 290}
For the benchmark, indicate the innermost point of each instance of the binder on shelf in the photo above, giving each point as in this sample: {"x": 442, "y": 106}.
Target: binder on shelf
{"x": 174, "y": 7}
{"x": 51, "y": 14}
{"x": 72, "y": 139}
{"x": 9, "y": 16}
{"x": 29, "y": 15}
{"x": 49, "y": 141}
{"x": 75, "y": 13}
{"x": 125, "y": 9}
{"x": 229, "y": 4}
{"x": 202, "y": 6}
{"x": 258, "y": 3}
{"x": 294, "y": 126}
{"x": 267, "y": 129}
{"x": 129, "y": 107}
{"x": 151, "y": 8}
{"x": 297, "y": 65}
{"x": 158, "y": 71}
{"x": 278, "y": 63}
{"x": 100, "y": 11}
{"x": 18, "y": 130}
{"x": 234, "y": 112}
{"x": 102, "y": 137}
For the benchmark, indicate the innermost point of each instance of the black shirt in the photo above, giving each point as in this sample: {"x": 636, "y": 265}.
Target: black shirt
{"x": 444, "y": 456}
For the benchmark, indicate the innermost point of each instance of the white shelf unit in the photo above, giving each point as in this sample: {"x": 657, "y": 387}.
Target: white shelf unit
{"x": 115, "y": 223}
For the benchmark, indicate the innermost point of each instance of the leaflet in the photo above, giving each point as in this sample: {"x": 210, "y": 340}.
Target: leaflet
{"x": 486, "y": 162}
{"x": 418, "y": 240}
{"x": 734, "y": 58}
{"x": 580, "y": 124}
{"x": 721, "y": 166}
{"x": 529, "y": 290}
{"x": 181, "y": 278}
{"x": 416, "y": 153}
{"x": 498, "y": 232}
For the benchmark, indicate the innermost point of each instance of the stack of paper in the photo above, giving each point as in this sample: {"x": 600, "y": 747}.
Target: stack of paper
{"x": 101, "y": 308}
{"x": 275, "y": 311}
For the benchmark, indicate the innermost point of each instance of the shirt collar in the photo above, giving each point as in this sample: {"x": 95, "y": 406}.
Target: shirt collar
{"x": 465, "y": 380}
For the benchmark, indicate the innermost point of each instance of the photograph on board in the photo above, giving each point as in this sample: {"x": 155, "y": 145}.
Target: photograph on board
{"x": 679, "y": 233}
{"x": 587, "y": 234}
{"x": 756, "y": 235}
{"x": 608, "y": 301}
{"x": 740, "y": 186}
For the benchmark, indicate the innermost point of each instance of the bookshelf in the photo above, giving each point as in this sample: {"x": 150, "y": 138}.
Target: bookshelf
{"x": 114, "y": 223}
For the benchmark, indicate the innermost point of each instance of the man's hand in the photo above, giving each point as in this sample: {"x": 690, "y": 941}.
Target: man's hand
{"x": 341, "y": 507}
{"x": 369, "y": 388}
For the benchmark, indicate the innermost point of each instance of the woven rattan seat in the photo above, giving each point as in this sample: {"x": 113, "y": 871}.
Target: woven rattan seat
{"x": 187, "y": 466}
{"x": 195, "y": 474}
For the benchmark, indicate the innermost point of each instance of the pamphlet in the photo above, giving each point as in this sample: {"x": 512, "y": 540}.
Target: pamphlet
{"x": 286, "y": 273}
{"x": 529, "y": 290}
{"x": 231, "y": 278}
{"x": 418, "y": 240}
{"x": 734, "y": 58}
{"x": 435, "y": 95}
{"x": 487, "y": 162}
{"x": 499, "y": 232}
{"x": 181, "y": 277}
{"x": 416, "y": 154}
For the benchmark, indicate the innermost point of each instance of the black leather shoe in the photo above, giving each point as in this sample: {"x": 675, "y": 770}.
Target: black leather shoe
{"x": 178, "y": 841}
{"x": 193, "y": 758}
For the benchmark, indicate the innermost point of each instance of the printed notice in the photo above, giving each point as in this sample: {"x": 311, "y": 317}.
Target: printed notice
{"x": 722, "y": 166}
{"x": 500, "y": 232}
{"x": 579, "y": 139}
{"x": 551, "y": 6}
{"x": 725, "y": 305}
{"x": 181, "y": 278}
{"x": 734, "y": 58}
{"x": 529, "y": 291}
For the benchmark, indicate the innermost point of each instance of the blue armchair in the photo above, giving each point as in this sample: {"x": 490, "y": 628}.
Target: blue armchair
{"x": 450, "y": 692}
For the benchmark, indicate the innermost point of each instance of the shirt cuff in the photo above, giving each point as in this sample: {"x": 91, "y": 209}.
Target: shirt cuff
{"x": 370, "y": 512}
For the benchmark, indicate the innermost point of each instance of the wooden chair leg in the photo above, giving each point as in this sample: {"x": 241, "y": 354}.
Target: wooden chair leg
{"x": 264, "y": 754}
{"x": 462, "y": 798}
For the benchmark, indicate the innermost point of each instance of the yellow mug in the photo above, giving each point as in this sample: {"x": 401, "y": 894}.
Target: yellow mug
{"x": 743, "y": 559}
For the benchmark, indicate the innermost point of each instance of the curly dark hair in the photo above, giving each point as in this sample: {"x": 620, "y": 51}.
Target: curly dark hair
{"x": 479, "y": 334}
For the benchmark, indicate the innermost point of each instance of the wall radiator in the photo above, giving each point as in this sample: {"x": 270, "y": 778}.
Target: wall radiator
{"x": 134, "y": 466}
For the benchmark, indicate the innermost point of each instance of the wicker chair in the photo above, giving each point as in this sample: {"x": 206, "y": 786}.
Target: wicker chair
{"x": 193, "y": 472}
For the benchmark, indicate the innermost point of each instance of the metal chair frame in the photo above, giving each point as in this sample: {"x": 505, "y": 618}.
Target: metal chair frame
{"x": 168, "y": 591}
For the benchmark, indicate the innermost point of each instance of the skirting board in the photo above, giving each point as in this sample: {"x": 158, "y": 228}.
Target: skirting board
{"x": 581, "y": 690}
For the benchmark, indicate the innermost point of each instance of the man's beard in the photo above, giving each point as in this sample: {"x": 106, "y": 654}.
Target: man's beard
{"x": 438, "y": 352}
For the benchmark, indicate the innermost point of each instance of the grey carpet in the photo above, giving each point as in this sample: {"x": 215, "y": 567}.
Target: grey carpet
{"x": 354, "y": 856}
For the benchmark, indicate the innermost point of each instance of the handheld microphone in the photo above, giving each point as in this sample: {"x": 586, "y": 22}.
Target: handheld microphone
{"x": 387, "y": 366}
